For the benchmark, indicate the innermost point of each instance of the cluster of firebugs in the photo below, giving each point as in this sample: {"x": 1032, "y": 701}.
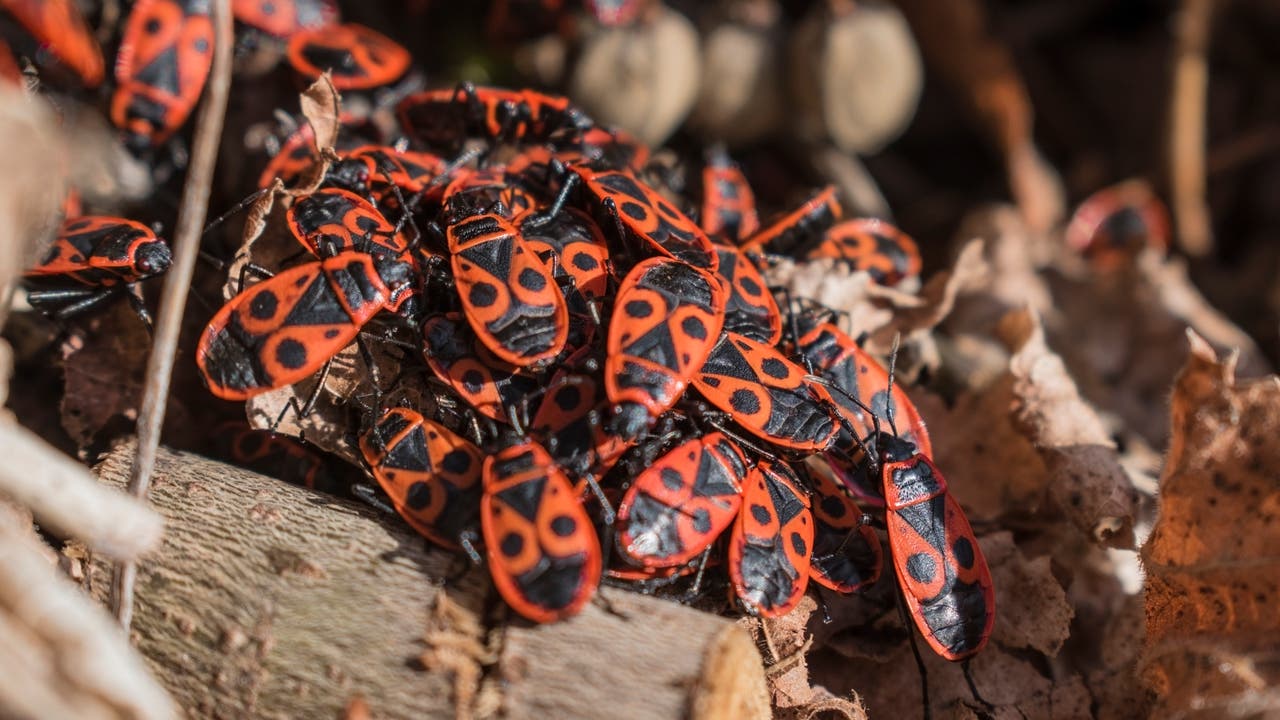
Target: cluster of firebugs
{"x": 620, "y": 380}
{"x": 622, "y": 392}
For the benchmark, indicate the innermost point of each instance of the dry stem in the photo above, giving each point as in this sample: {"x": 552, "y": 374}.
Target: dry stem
{"x": 1193, "y": 24}
{"x": 67, "y": 501}
{"x": 186, "y": 240}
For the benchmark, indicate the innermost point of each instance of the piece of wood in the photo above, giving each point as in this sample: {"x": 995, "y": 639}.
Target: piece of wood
{"x": 267, "y": 600}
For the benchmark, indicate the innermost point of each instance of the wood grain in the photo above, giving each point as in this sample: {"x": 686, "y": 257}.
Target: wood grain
{"x": 270, "y": 601}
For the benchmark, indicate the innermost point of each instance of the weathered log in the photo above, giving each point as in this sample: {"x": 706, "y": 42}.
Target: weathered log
{"x": 267, "y": 600}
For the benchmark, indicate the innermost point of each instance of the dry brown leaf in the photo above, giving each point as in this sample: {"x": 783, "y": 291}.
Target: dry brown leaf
{"x": 1121, "y": 335}
{"x": 976, "y": 445}
{"x": 1032, "y": 610}
{"x": 1118, "y": 333}
{"x": 325, "y": 426}
{"x": 264, "y": 241}
{"x": 1116, "y": 688}
{"x": 1086, "y": 479}
{"x": 784, "y": 644}
{"x": 103, "y": 375}
{"x": 881, "y": 313}
{"x": 863, "y": 649}
{"x": 1212, "y": 562}
{"x": 935, "y": 300}
{"x": 1177, "y": 295}
{"x": 1014, "y": 685}
{"x": 322, "y": 107}
{"x": 1014, "y": 255}
{"x": 642, "y": 78}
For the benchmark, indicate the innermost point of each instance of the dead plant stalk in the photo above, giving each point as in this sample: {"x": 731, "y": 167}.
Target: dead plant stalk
{"x": 186, "y": 247}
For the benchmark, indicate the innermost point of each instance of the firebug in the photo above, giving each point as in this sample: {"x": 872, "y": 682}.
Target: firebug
{"x": 163, "y": 63}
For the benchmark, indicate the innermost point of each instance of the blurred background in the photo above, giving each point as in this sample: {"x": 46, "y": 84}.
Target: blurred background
{"x": 938, "y": 107}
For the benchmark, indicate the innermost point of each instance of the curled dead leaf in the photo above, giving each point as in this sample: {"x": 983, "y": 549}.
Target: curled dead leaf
{"x": 881, "y": 312}
{"x": 1178, "y": 296}
{"x": 258, "y": 217}
{"x": 989, "y": 465}
{"x": 1086, "y": 479}
{"x": 784, "y": 644}
{"x": 1014, "y": 256}
{"x": 325, "y": 426}
{"x": 1121, "y": 336}
{"x": 934, "y": 301}
{"x": 322, "y": 107}
{"x": 1212, "y": 564}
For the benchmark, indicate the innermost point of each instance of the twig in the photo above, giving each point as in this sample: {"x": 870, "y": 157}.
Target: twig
{"x": 61, "y": 651}
{"x": 1246, "y": 147}
{"x": 65, "y": 498}
{"x": 186, "y": 241}
{"x": 1187, "y": 126}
